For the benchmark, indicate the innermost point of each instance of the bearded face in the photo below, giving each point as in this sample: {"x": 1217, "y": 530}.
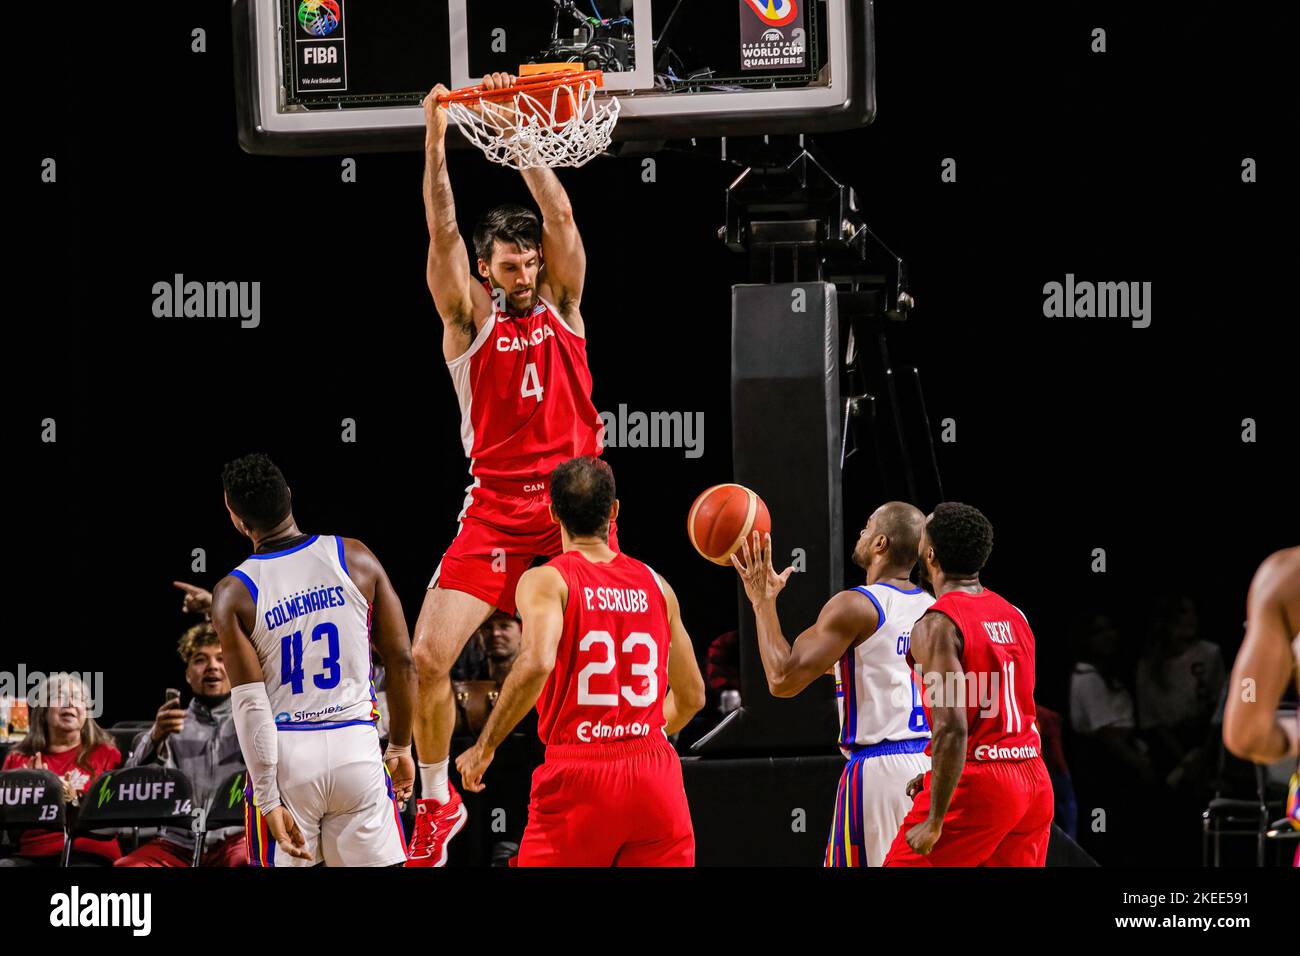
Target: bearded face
{"x": 514, "y": 272}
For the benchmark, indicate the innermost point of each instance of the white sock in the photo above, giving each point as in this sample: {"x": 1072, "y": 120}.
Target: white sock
{"x": 433, "y": 781}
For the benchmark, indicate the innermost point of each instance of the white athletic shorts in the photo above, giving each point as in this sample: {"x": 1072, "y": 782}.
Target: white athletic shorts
{"x": 871, "y": 803}
{"x": 334, "y": 783}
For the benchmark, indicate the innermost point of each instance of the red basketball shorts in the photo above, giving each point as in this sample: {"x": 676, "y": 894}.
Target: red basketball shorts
{"x": 1000, "y": 815}
{"x": 504, "y": 527}
{"x": 619, "y": 803}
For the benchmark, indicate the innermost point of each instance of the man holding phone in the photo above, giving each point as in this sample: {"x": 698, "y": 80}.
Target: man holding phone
{"x": 200, "y": 741}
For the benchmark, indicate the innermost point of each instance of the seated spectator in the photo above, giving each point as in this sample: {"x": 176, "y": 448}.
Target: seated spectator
{"x": 1101, "y": 707}
{"x": 1180, "y": 675}
{"x": 1179, "y": 681}
{"x": 501, "y": 813}
{"x": 1117, "y": 792}
{"x": 199, "y": 741}
{"x": 722, "y": 688}
{"x": 501, "y": 635}
{"x": 488, "y": 656}
{"x": 722, "y": 670}
{"x": 472, "y": 662}
{"x": 63, "y": 738}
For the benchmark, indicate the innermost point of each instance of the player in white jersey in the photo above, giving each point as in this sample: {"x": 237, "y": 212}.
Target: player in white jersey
{"x": 295, "y": 622}
{"x": 863, "y": 634}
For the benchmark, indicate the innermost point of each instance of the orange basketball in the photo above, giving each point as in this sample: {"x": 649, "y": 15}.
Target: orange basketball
{"x": 721, "y": 517}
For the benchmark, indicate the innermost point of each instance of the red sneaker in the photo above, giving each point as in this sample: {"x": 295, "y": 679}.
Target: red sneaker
{"x": 435, "y": 824}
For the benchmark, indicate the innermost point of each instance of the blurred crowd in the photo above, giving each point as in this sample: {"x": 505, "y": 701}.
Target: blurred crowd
{"x": 1144, "y": 733}
{"x": 197, "y": 739}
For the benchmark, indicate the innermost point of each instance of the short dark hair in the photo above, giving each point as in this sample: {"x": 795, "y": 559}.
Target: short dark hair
{"x": 509, "y": 224}
{"x": 902, "y": 523}
{"x": 962, "y": 537}
{"x": 582, "y": 492}
{"x": 257, "y": 491}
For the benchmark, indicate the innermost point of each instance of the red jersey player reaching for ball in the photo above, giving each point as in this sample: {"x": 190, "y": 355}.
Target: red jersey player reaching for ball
{"x": 515, "y": 346}
{"x": 610, "y": 666}
{"x": 988, "y": 799}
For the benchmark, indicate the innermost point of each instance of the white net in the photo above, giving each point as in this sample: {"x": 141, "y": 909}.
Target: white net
{"x": 564, "y": 126}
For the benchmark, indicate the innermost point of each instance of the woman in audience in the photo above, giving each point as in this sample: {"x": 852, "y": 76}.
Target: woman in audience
{"x": 64, "y": 739}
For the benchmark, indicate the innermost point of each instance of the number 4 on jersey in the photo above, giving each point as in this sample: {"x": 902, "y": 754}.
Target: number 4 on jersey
{"x": 532, "y": 386}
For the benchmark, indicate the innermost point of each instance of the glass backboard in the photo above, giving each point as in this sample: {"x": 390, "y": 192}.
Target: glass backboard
{"x": 322, "y": 76}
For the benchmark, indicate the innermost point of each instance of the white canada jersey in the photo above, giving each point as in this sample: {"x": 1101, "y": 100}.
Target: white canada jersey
{"x": 873, "y": 684}
{"x": 312, "y": 635}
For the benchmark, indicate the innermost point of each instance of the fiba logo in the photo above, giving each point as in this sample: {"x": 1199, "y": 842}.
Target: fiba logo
{"x": 773, "y": 36}
{"x": 319, "y": 17}
{"x": 775, "y": 13}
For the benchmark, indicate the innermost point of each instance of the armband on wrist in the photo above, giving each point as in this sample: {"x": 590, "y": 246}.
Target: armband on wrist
{"x": 396, "y": 750}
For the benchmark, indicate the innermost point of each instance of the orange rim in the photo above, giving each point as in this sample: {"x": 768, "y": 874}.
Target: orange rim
{"x": 539, "y": 82}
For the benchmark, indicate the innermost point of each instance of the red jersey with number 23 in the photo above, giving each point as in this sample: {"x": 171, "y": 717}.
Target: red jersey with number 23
{"x": 525, "y": 395}
{"x": 998, "y": 659}
{"x": 611, "y": 666}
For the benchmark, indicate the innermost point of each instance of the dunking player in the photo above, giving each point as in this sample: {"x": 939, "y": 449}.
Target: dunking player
{"x": 1270, "y": 656}
{"x": 605, "y": 650}
{"x": 864, "y": 633}
{"x": 295, "y": 622}
{"x": 519, "y": 367}
{"x": 988, "y": 799}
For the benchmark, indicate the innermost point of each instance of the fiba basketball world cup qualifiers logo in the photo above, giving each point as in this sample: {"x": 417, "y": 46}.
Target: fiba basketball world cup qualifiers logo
{"x": 774, "y": 13}
{"x": 771, "y": 35}
{"x": 319, "y": 18}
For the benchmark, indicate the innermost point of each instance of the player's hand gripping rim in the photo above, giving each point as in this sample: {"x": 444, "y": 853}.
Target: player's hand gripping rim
{"x": 501, "y": 117}
{"x": 435, "y": 114}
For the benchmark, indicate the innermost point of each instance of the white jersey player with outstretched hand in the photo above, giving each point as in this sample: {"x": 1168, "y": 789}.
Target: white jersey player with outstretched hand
{"x": 861, "y": 633}
{"x": 295, "y": 621}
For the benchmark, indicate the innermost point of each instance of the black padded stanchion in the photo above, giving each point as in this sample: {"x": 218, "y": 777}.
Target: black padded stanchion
{"x": 762, "y": 811}
{"x": 785, "y": 410}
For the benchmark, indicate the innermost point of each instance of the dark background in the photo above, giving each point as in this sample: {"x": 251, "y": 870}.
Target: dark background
{"x": 1072, "y": 435}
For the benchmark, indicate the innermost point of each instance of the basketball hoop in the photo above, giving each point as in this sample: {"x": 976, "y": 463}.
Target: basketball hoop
{"x": 547, "y": 119}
